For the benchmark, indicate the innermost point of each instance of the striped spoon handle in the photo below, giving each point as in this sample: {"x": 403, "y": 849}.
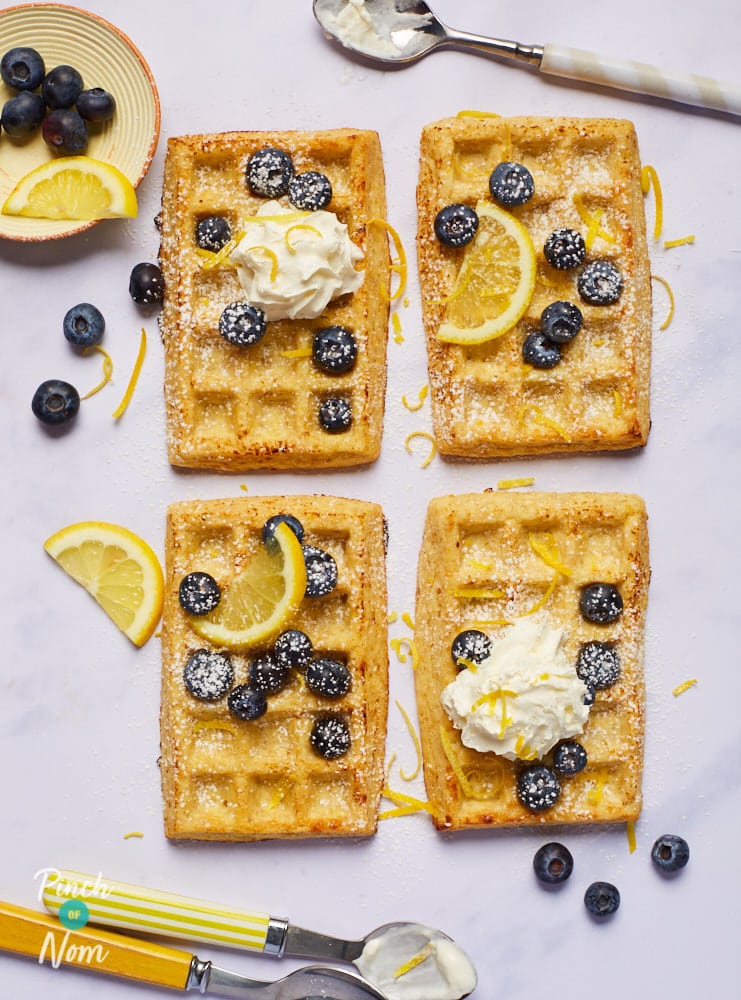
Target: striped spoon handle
{"x": 149, "y": 911}
{"x": 640, "y": 78}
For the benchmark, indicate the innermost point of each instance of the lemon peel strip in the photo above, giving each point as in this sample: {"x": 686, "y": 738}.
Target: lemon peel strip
{"x": 272, "y": 256}
{"x": 683, "y": 241}
{"x": 400, "y": 266}
{"x": 630, "y": 831}
{"x": 650, "y": 179}
{"x": 547, "y": 550}
{"x": 544, "y": 599}
{"x": 132, "y": 834}
{"x": 305, "y": 228}
{"x": 665, "y": 284}
{"x": 617, "y": 403}
{"x": 482, "y": 593}
{"x": 396, "y": 326}
{"x": 684, "y": 686}
{"x": 422, "y": 396}
{"x": 538, "y": 417}
{"x": 408, "y": 621}
{"x": 121, "y": 408}
{"x": 418, "y": 959}
{"x": 415, "y": 740}
{"x": 593, "y": 221}
{"x": 466, "y": 787}
{"x": 211, "y": 259}
{"x": 393, "y": 616}
{"x": 297, "y": 352}
{"x": 107, "y": 369}
{"x": 511, "y": 484}
{"x": 221, "y": 724}
{"x": 427, "y": 437}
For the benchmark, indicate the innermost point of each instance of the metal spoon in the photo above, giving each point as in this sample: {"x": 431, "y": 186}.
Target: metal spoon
{"x": 397, "y": 32}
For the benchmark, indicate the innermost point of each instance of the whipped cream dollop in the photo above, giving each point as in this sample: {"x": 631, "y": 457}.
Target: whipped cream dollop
{"x": 383, "y": 32}
{"x": 293, "y": 264}
{"x": 523, "y": 699}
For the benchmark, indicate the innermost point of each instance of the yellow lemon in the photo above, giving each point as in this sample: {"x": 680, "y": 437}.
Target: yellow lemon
{"x": 73, "y": 187}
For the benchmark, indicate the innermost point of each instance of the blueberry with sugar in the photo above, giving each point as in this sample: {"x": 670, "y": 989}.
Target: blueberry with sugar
{"x": 266, "y": 674}
{"x": 539, "y": 351}
{"x": 268, "y": 529}
{"x": 330, "y": 737}
{"x": 83, "y": 325}
{"x": 242, "y": 324}
{"x": 55, "y": 402}
{"x": 601, "y": 603}
{"x": 321, "y": 571}
{"x": 602, "y": 899}
{"x": 335, "y": 415}
{"x": 328, "y": 678}
{"x": 269, "y": 172}
{"x": 247, "y": 704}
{"x": 293, "y": 649}
{"x": 569, "y": 757}
{"x": 561, "y": 321}
{"x": 146, "y": 284}
{"x": 511, "y": 184}
{"x": 589, "y": 695}
{"x": 21, "y": 115}
{"x": 213, "y": 232}
{"x": 208, "y": 675}
{"x": 470, "y": 646}
{"x": 22, "y": 68}
{"x": 600, "y": 283}
{"x": 670, "y": 853}
{"x": 598, "y": 665}
{"x": 61, "y": 87}
{"x": 553, "y": 863}
{"x": 565, "y": 249}
{"x": 96, "y": 105}
{"x": 310, "y": 191}
{"x": 334, "y": 350}
{"x": 198, "y": 593}
{"x": 456, "y": 225}
{"x": 538, "y": 788}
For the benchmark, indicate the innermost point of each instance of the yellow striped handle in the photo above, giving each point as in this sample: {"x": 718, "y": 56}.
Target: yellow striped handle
{"x": 149, "y": 911}
{"x": 26, "y": 932}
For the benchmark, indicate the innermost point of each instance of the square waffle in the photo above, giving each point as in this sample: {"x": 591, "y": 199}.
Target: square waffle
{"x": 478, "y": 546}
{"x": 235, "y": 408}
{"x": 228, "y": 779}
{"x": 486, "y": 401}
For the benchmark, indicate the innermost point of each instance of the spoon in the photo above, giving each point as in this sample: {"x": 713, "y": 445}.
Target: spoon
{"x": 398, "y": 32}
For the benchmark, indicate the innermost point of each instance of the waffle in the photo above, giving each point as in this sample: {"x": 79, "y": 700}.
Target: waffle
{"x": 235, "y": 408}
{"x": 481, "y": 541}
{"x": 486, "y": 402}
{"x": 227, "y": 779}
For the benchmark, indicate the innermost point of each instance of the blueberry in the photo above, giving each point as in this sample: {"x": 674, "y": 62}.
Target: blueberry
{"x": 65, "y": 132}
{"x": 539, "y": 351}
{"x": 269, "y": 172}
{"x": 242, "y": 324}
{"x": 213, "y": 233}
{"x": 335, "y": 415}
{"x": 600, "y": 283}
{"x": 22, "y": 68}
{"x": 598, "y": 665}
{"x": 22, "y": 114}
{"x": 208, "y": 675}
{"x": 311, "y": 191}
{"x": 293, "y": 649}
{"x": 538, "y": 788}
{"x": 146, "y": 284}
{"x": 470, "y": 645}
{"x": 321, "y": 571}
{"x": 569, "y": 757}
{"x": 601, "y": 603}
{"x": 246, "y": 703}
{"x": 561, "y": 321}
{"x": 61, "y": 87}
{"x": 334, "y": 350}
{"x": 266, "y": 674}
{"x": 456, "y": 225}
{"x": 511, "y": 184}
{"x": 199, "y": 593}
{"x": 329, "y": 678}
{"x": 564, "y": 249}
{"x": 602, "y": 899}
{"x": 272, "y": 523}
{"x": 330, "y": 736}
{"x": 670, "y": 852}
{"x": 553, "y": 863}
{"x": 83, "y": 325}
{"x": 96, "y": 105}
{"x": 55, "y": 402}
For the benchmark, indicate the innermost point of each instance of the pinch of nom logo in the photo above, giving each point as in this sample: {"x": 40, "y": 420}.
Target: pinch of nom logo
{"x": 73, "y": 913}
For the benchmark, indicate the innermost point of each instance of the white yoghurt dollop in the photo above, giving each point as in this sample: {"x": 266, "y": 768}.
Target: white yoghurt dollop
{"x": 383, "y": 32}
{"x": 293, "y": 267}
{"x": 523, "y": 699}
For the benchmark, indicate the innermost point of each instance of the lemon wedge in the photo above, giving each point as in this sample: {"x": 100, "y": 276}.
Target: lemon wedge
{"x": 258, "y": 602}
{"x": 117, "y": 568}
{"x": 495, "y": 283}
{"x": 73, "y": 187}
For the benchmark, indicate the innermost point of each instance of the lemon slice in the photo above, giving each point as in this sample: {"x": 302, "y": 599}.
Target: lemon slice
{"x": 73, "y": 187}
{"x": 117, "y": 568}
{"x": 495, "y": 283}
{"x": 261, "y": 599}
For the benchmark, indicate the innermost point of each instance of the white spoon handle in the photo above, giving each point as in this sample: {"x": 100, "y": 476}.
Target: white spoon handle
{"x": 640, "y": 78}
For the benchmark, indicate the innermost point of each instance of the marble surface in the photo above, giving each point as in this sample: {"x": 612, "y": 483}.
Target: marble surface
{"x": 78, "y": 704}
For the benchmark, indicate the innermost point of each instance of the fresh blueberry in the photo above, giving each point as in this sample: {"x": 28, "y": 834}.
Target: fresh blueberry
{"x": 242, "y": 324}
{"x": 601, "y": 603}
{"x": 564, "y": 249}
{"x": 22, "y": 114}
{"x": 330, "y": 736}
{"x": 246, "y": 703}
{"x": 83, "y": 325}
{"x": 64, "y": 131}
{"x": 539, "y": 351}
{"x": 602, "y": 899}
{"x": 146, "y": 284}
{"x": 538, "y": 788}
{"x": 334, "y": 350}
{"x": 470, "y": 646}
{"x": 22, "y": 68}
{"x": 96, "y": 105}
{"x": 321, "y": 571}
{"x": 553, "y": 863}
{"x": 456, "y": 225}
{"x": 269, "y": 172}
{"x": 61, "y": 87}
{"x": 293, "y": 649}
{"x": 55, "y": 402}
{"x": 561, "y": 321}
{"x": 670, "y": 852}
{"x": 569, "y": 757}
{"x": 598, "y": 665}
{"x": 600, "y": 283}
{"x": 266, "y": 674}
{"x": 311, "y": 191}
{"x": 511, "y": 184}
{"x": 213, "y": 233}
{"x": 208, "y": 675}
{"x": 329, "y": 678}
{"x": 335, "y": 415}
{"x": 268, "y": 529}
{"x": 199, "y": 593}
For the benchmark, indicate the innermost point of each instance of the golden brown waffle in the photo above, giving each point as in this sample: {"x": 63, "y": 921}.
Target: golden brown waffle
{"x": 484, "y": 543}
{"x": 227, "y": 779}
{"x": 486, "y": 402}
{"x": 234, "y": 408}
